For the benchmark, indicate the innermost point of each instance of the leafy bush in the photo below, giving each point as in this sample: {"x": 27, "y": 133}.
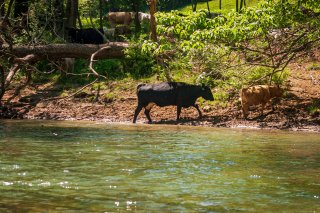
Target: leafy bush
{"x": 237, "y": 49}
{"x": 314, "y": 108}
{"x": 139, "y": 61}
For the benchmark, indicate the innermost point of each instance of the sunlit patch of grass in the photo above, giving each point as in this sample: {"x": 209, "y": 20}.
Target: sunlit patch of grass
{"x": 226, "y": 5}
{"x": 109, "y": 97}
{"x": 314, "y": 108}
{"x": 314, "y": 66}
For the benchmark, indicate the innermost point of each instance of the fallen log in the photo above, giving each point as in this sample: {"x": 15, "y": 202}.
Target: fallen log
{"x": 57, "y": 51}
{"x": 24, "y": 55}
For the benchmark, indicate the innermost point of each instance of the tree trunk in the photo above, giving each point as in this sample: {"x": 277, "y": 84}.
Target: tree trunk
{"x": 58, "y": 14}
{"x": 100, "y": 14}
{"x": 237, "y": 5}
{"x": 57, "y": 51}
{"x": 194, "y": 5}
{"x": 71, "y": 13}
{"x": 2, "y": 11}
{"x": 21, "y": 8}
{"x": 135, "y": 8}
{"x": 241, "y": 4}
{"x": 153, "y": 24}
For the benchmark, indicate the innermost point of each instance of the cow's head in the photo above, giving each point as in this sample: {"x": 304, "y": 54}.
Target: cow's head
{"x": 276, "y": 91}
{"x": 206, "y": 93}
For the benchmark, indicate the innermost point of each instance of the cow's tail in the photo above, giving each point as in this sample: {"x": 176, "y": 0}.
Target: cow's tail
{"x": 242, "y": 91}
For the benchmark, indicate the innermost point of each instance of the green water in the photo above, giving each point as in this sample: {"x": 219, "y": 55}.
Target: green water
{"x": 92, "y": 167}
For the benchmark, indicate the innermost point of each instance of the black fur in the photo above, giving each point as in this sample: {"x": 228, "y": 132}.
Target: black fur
{"x": 170, "y": 93}
{"x": 85, "y": 36}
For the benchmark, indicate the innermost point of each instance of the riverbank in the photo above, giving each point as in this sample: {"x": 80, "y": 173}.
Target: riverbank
{"x": 298, "y": 110}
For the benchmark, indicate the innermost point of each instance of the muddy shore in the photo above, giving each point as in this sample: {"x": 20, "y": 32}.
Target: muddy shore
{"x": 292, "y": 113}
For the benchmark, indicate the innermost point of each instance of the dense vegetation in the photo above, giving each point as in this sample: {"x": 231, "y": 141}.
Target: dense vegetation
{"x": 225, "y": 49}
{"x": 234, "y": 49}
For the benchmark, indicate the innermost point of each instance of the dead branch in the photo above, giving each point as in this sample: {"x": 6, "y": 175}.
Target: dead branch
{"x": 26, "y": 59}
{"x": 20, "y": 87}
{"x": 11, "y": 74}
{"x": 2, "y": 83}
{"x": 92, "y": 60}
{"x": 16, "y": 67}
{"x": 73, "y": 94}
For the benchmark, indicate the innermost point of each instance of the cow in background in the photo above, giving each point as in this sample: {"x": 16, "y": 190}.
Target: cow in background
{"x": 144, "y": 17}
{"x": 170, "y": 93}
{"x": 86, "y": 36}
{"x": 126, "y": 18}
{"x": 260, "y": 94}
{"x": 119, "y": 18}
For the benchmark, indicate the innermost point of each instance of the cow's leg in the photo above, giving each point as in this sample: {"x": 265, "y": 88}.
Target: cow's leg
{"x": 262, "y": 108}
{"x": 136, "y": 113}
{"x": 147, "y": 111}
{"x": 178, "y": 112}
{"x": 272, "y": 105}
{"x": 245, "y": 110}
{"x": 197, "y": 107}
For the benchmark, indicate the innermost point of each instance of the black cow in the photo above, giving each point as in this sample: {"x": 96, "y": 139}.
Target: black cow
{"x": 165, "y": 94}
{"x": 86, "y": 36}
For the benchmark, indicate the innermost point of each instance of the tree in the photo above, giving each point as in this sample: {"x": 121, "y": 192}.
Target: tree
{"x": 20, "y": 57}
{"x": 21, "y": 8}
{"x": 72, "y": 13}
{"x": 136, "y": 9}
{"x": 153, "y": 24}
{"x": 58, "y": 16}
{"x": 2, "y": 5}
{"x": 194, "y": 5}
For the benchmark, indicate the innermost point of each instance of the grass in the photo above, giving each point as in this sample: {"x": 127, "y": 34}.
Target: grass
{"x": 314, "y": 66}
{"x": 314, "y": 108}
{"x": 226, "y": 5}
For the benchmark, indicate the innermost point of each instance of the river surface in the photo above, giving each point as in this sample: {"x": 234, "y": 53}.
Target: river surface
{"x": 96, "y": 167}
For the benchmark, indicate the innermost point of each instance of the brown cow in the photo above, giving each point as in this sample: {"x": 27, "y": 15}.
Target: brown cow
{"x": 259, "y": 94}
{"x": 119, "y": 18}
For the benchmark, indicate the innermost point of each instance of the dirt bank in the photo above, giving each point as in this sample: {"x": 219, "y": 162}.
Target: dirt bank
{"x": 292, "y": 113}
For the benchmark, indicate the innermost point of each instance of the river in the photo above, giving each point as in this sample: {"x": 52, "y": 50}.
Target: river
{"x": 51, "y": 166}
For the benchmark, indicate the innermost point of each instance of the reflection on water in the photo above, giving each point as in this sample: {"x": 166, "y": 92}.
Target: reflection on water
{"x": 90, "y": 167}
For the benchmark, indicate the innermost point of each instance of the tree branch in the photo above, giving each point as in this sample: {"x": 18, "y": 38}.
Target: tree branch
{"x": 73, "y": 94}
{"x": 10, "y": 75}
{"x": 92, "y": 60}
{"x": 2, "y": 87}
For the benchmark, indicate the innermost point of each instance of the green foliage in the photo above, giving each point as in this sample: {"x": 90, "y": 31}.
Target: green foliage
{"x": 39, "y": 30}
{"x": 139, "y": 61}
{"x": 224, "y": 50}
{"x": 226, "y": 6}
{"x": 194, "y": 48}
{"x": 314, "y": 66}
{"x": 112, "y": 68}
{"x": 314, "y": 108}
{"x": 109, "y": 97}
